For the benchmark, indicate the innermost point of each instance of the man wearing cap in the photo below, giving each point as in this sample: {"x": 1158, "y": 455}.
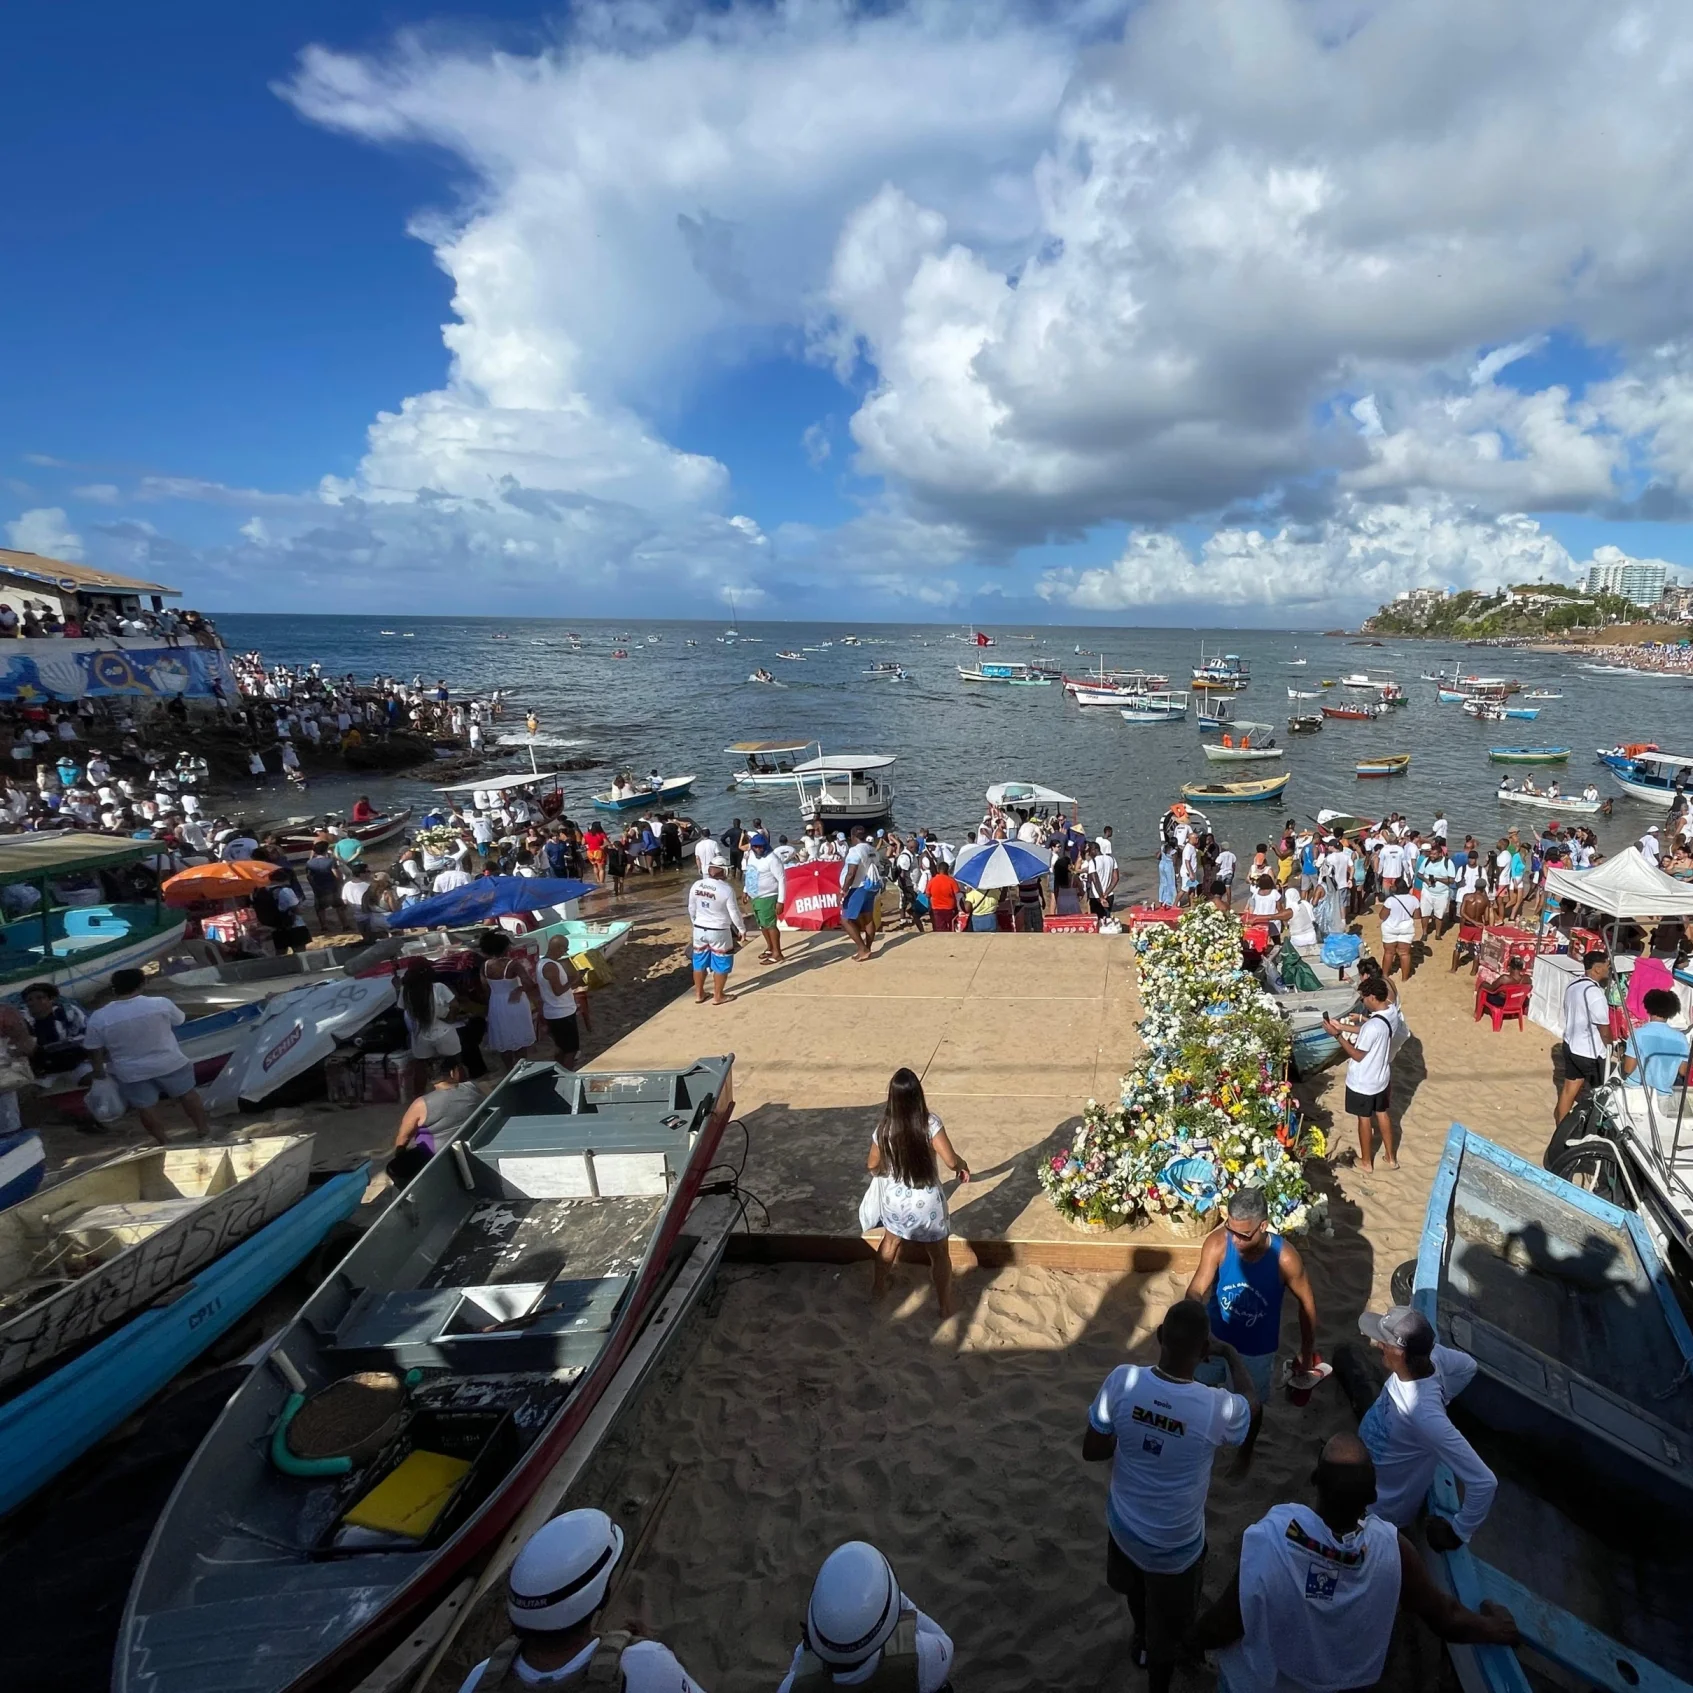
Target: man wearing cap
{"x": 1587, "y": 1030}
{"x": 717, "y": 923}
{"x": 766, "y": 889}
{"x": 1313, "y": 1600}
{"x": 1409, "y": 1434}
{"x": 1649, "y": 848}
{"x": 861, "y": 1631}
{"x": 557, "y": 1583}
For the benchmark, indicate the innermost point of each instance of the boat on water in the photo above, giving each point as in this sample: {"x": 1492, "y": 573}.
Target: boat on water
{"x": 1353, "y": 713}
{"x": 1008, "y": 672}
{"x": 85, "y": 1253}
{"x": 1541, "y": 694}
{"x": 1110, "y": 696}
{"x": 1582, "y": 1405}
{"x": 638, "y": 799}
{"x": 1220, "y": 672}
{"x": 1529, "y": 755}
{"x": 302, "y": 832}
{"x": 1542, "y": 800}
{"x": 1295, "y": 663}
{"x": 769, "y": 764}
{"x": 1392, "y": 764}
{"x": 94, "y": 911}
{"x": 55, "y": 1417}
{"x": 1111, "y": 687}
{"x": 1644, "y": 772}
{"x": 762, "y": 675}
{"x": 1298, "y": 694}
{"x": 792, "y": 657}
{"x": 888, "y": 672}
{"x": 1030, "y": 800}
{"x": 1525, "y": 713}
{"x": 1256, "y": 741}
{"x": 1155, "y": 708}
{"x": 1213, "y": 712}
{"x": 1385, "y": 688}
{"x": 1344, "y": 822}
{"x": 402, "y": 1421}
{"x": 1310, "y": 723}
{"x": 845, "y": 787}
{"x": 1236, "y": 793}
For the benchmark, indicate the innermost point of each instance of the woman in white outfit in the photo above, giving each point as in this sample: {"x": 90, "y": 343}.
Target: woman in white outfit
{"x": 511, "y": 1019}
{"x": 907, "y": 1150}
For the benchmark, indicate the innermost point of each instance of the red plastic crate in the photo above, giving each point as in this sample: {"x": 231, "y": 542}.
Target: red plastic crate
{"x": 1169, "y": 915}
{"x": 1070, "y": 925}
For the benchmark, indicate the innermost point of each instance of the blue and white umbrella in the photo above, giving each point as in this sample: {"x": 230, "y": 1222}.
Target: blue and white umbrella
{"x": 1001, "y": 864}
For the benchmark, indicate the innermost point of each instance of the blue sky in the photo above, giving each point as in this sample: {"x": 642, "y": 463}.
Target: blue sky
{"x": 959, "y": 350}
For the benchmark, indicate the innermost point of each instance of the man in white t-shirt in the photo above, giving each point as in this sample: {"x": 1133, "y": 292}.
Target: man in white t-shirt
{"x": 717, "y": 925}
{"x": 1410, "y": 1435}
{"x": 1105, "y": 877}
{"x": 1390, "y": 866}
{"x": 1587, "y": 1030}
{"x": 1266, "y": 903}
{"x": 557, "y": 1585}
{"x": 1159, "y": 1429}
{"x": 1224, "y": 882}
{"x": 1369, "y": 1073}
{"x": 1314, "y": 1599}
{"x": 1438, "y": 877}
{"x": 1649, "y": 848}
{"x": 133, "y": 1036}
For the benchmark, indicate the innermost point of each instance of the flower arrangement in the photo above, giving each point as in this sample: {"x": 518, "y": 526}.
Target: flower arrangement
{"x": 1206, "y": 1110}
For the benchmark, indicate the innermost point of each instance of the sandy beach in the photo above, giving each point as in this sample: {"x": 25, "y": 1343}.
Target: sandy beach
{"x": 793, "y": 1415}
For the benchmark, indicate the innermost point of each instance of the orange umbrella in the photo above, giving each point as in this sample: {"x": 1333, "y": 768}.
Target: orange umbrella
{"x": 206, "y": 883}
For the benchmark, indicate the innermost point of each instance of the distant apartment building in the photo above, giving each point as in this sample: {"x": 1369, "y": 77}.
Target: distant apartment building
{"x": 1641, "y": 582}
{"x": 1421, "y": 599}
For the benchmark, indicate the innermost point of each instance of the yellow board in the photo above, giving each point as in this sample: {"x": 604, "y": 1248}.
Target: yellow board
{"x": 411, "y": 1496}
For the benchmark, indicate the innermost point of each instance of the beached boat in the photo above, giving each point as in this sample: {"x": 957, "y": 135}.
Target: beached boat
{"x": 670, "y": 788}
{"x": 53, "y": 1420}
{"x": 1345, "y": 822}
{"x": 1308, "y": 724}
{"x": 1390, "y": 764}
{"x": 842, "y": 788}
{"x": 1236, "y": 793}
{"x": 1155, "y": 708}
{"x": 1353, "y": 713}
{"x": 78, "y": 932}
{"x": 1582, "y": 1404}
{"x": 297, "y": 840}
{"x": 1010, "y": 672}
{"x": 1529, "y": 755}
{"x": 86, "y": 1253}
{"x": 1025, "y": 800}
{"x": 1642, "y": 772}
{"x": 1574, "y": 803}
{"x": 1257, "y": 741}
{"x": 769, "y": 764}
{"x": 513, "y": 1276}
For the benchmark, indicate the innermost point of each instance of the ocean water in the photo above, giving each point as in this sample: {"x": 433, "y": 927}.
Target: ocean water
{"x": 679, "y": 706}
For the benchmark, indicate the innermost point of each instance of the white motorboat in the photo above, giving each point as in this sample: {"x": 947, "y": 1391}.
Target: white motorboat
{"x": 1010, "y": 672}
{"x": 1544, "y": 800}
{"x": 1297, "y": 694}
{"x": 845, "y": 787}
{"x": 1025, "y": 800}
{"x": 888, "y": 672}
{"x": 769, "y": 764}
{"x": 1156, "y": 708}
{"x": 1643, "y": 772}
{"x": 1256, "y": 741}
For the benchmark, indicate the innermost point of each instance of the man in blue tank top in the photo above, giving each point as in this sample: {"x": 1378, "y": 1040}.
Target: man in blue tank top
{"x": 1243, "y": 1272}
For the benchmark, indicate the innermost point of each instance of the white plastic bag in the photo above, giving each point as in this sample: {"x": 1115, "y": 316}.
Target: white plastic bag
{"x": 870, "y": 1207}
{"x": 105, "y": 1101}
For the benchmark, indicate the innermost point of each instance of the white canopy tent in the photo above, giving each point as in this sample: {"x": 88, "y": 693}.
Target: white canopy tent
{"x": 1627, "y": 886}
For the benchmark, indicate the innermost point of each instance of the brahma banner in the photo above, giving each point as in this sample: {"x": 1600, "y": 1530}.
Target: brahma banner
{"x": 813, "y": 896}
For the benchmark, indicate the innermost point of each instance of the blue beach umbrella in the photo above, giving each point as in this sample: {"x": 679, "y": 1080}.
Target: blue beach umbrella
{"x": 1001, "y": 864}
{"x": 489, "y": 896}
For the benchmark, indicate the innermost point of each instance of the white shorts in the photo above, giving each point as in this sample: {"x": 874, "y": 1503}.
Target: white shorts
{"x": 439, "y": 1040}
{"x": 1436, "y": 900}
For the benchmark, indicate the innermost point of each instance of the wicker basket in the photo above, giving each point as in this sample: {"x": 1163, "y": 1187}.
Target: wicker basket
{"x": 1188, "y": 1225}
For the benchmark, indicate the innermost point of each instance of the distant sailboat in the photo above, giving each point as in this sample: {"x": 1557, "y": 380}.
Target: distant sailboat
{"x": 732, "y": 633}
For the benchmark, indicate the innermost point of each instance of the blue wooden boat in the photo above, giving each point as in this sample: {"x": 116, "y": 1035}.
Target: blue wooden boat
{"x": 1527, "y": 713}
{"x": 1583, "y": 1405}
{"x": 55, "y": 1421}
{"x": 671, "y": 788}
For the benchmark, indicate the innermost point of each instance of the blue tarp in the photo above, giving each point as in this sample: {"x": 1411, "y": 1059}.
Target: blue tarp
{"x": 489, "y": 896}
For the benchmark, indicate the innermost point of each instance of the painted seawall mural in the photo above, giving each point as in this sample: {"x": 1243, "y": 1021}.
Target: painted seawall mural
{"x": 32, "y": 671}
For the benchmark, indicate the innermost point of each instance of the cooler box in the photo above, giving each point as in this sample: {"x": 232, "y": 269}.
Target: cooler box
{"x": 1070, "y": 925}
{"x": 1581, "y": 940}
{"x": 1169, "y": 915}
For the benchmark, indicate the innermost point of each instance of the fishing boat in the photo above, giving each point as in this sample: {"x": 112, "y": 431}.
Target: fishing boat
{"x": 792, "y": 657}
{"x": 1008, "y": 672}
{"x": 1310, "y": 723}
{"x": 1109, "y": 696}
{"x": 1582, "y": 1404}
{"x": 1297, "y": 694}
{"x": 299, "y": 842}
{"x": 402, "y": 1421}
{"x": 54, "y": 1419}
{"x": 1527, "y": 713}
{"x": 762, "y": 675}
{"x": 1385, "y": 688}
{"x": 95, "y": 911}
{"x": 1353, "y": 713}
{"x": 1111, "y": 687}
{"x": 86, "y": 1253}
{"x": 888, "y": 673}
{"x": 769, "y": 764}
{"x": 1529, "y": 755}
{"x": 1213, "y": 713}
{"x": 1452, "y": 696}
{"x": 669, "y": 788}
{"x": 1642, "y": 772}
{"x": 1236, "y": 793}
{"x": 1578, "y": 804}
{"x": 1155, "y": 708}
{"x": 1541, "y": 694}
{"x": 1221, "y": 672}
{"x": 1257, "y": 741}
{"x": 1392, "y": 764}
{"x": 1030, "y": 800}
{"x": 850, "y": 787}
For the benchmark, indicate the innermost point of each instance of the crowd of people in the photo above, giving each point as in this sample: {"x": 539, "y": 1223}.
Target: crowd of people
{"x": 103, "y": 619}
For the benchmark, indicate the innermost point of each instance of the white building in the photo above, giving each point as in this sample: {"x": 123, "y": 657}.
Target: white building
{"x": 1641, "y": 581}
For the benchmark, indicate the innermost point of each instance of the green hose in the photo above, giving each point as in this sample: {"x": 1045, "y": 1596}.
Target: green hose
{"x": 286, "y": 1461}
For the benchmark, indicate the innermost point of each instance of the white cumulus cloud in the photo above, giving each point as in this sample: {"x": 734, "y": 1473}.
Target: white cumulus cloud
{"x": 44, "y": 530}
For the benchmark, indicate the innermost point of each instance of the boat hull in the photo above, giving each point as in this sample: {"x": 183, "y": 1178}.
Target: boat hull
{"x": 673, "y": 787}
{"x": 1529, "y": 755}
{"x": 239, "y": 1190}
{"x": 377, "y": 832}
{"x": 57, "y": 1420}
{"x": 1651, "y": 792}
{"x": 1379, "y": 767}
{"x": 1540, "y": 802}
{"x": 1235, "y": 793}
{"x": 1239, "y": 755}
{"x": 74, "y": 972}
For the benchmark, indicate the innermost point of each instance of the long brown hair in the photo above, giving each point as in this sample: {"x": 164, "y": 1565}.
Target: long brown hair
{"x": 417, "y": 993}
{"x": 903, "y": 1133}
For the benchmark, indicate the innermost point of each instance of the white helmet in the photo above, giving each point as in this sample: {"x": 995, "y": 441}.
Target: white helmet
{"x": 855, "y": 1605}
{"x": 561, "y": 1575}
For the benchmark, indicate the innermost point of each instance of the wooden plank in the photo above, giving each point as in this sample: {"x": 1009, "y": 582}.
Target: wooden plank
{"x": 412, "y": 1664}
{"x": 1099, "y": 1257}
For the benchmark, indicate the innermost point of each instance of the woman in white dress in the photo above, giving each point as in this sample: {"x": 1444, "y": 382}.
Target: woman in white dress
{"x": 906, "y": 1152}
{"x": 511, "y": 1019}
